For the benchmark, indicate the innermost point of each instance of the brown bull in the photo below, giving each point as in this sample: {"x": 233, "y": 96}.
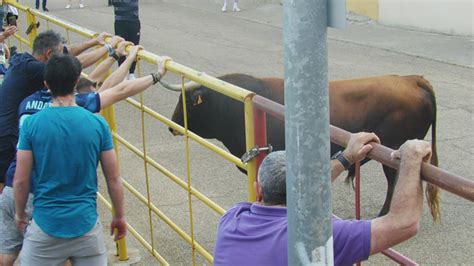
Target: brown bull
{"x": 396, "y": 108}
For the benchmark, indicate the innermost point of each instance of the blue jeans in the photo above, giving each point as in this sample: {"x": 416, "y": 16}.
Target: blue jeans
{"x": 38, "y": 4}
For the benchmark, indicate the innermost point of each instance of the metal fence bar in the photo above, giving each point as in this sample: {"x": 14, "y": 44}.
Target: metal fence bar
{"x": 399, "y": 258}
{"x": 136, "y": 234}
{"x": 170, "y": 175}
{"x": 188, "y": 169}
{"x": 145, "y": 164}
{"x": 169, "y": 222}
{"x": 260, "y": 129}
{"x": 250, "y": 143}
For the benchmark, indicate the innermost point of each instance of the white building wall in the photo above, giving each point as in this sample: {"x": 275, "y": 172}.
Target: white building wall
{"x": 445, "y": 16}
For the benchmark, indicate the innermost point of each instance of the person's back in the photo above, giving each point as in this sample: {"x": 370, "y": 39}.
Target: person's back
{"x": 255, "y": 227}
{"x": 248, "y": 227}
{"x": 126, "y": 10}
{"x": 24, "y": 77}
{"x": 66, "y": 152}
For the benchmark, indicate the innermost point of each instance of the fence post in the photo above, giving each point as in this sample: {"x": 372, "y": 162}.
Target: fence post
{"x": 109, "y": 116}
{"x": 307, "y": 133}
{"x": 260, "y": 128}
{"x": 250, "y": 143}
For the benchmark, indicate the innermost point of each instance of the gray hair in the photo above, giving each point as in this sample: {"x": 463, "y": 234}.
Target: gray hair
{"x": 272, "y": 178}
{"x": 47, "y": 40}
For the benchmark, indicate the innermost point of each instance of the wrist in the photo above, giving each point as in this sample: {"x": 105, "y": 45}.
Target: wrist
{"x": 20, "y": 217}
{"x": 339, "y": 156}
{"x": 348, "y": 157}
{"x": 156, "y": 77}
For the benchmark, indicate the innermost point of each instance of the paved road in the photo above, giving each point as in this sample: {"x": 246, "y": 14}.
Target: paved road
{"x": 197, "y": 34}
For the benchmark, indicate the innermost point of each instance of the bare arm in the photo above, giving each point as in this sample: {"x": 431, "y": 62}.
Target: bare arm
{"x": 402, "y": 222}
{"x": 78, "y": 48}
{"x": 114, "y": 186}
{"x": 123, "y": 90}
{"x": 119, "y": 75}
{"x": 98, "y": 73}
{"x": 130, "y": 87}
{"x": 89, "y": 58}
{"x": 357, "y": 148}
{"x": 21, "y": 186}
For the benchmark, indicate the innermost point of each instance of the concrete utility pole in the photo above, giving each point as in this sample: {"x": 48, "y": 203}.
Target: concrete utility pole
{"x": 307, "y": 133}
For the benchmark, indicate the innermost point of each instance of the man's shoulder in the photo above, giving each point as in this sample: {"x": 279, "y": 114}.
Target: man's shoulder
{"x": 25, "y": 65}
{"x": 35, "y": 102}
{"x": 239, "y": 207}
{"x": 236, "y": 210}
{"x": 90, "y": 101}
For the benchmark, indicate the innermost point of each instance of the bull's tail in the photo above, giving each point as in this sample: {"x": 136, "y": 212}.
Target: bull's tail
{"x": 432, "y": 192}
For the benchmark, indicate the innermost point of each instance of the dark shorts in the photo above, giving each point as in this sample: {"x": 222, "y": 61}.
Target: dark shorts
{"x": 7, "y": 154}
{"x": 130, "y": 31}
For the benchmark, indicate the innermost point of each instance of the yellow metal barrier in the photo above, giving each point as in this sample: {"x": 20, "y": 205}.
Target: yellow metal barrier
{"x": 186, "y": 73}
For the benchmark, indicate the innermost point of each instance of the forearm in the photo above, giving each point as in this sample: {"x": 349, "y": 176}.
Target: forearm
{"x": 125, "y": 89}
{"x": 336, "y": 169}
{"x": 98, "y": 73}
{"x": 21, "y": 191}
{"x": 407, "y": 202}
{"x": 118, "y": 75}
{"x": 21, "y": 181}
{"x": 78, "y": 48}
{"x": 89, "y": 58}
{"x": 115, "y": 190}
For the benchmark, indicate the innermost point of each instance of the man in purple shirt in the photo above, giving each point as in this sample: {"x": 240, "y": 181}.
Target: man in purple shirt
{"x": 256, "y": 233}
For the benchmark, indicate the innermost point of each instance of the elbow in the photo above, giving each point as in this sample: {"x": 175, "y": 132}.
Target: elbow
{"x": 413, "y": 229}
{"x": 409, "y": 229}
{"x": 19, "y": 184}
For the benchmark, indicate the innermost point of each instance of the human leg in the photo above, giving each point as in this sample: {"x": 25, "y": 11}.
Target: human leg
{"x": 236, "y": 6}
{"x": 130, "y": 31}
{"x": 41, "y": 249}
{"x": 11, "y": 239}
{"x": 44, "y": 6}
{"x": 90, "y": 248}
{"x": 224, "y": 7}
{"x": 69, "y": 4}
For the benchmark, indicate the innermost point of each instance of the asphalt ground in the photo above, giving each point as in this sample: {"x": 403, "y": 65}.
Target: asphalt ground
{"x": 195, "y": 33}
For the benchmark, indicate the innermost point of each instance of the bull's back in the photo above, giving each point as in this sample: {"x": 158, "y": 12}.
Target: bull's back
{"x": 396, "y": 108}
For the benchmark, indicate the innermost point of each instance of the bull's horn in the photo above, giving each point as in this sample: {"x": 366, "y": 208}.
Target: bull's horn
{"x": 188, "y": 86}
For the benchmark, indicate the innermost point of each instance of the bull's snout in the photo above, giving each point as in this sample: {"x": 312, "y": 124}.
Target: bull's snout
{"x": 174, "y": 132}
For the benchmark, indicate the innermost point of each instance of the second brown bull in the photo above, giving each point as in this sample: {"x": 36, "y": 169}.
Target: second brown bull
{"x": 396, "y": 108}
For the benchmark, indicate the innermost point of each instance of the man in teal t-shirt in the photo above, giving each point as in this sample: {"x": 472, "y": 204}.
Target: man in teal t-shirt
{"x": 63, "y": 145}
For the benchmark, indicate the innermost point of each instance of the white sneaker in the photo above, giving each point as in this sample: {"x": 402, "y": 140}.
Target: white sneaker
{"x": 81, "y": 6}
{"x": 224, "y": 8}
{"x": 236, "y": 8}
{"x": 68, "y": 6}
{"x": 132, "y": 77}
